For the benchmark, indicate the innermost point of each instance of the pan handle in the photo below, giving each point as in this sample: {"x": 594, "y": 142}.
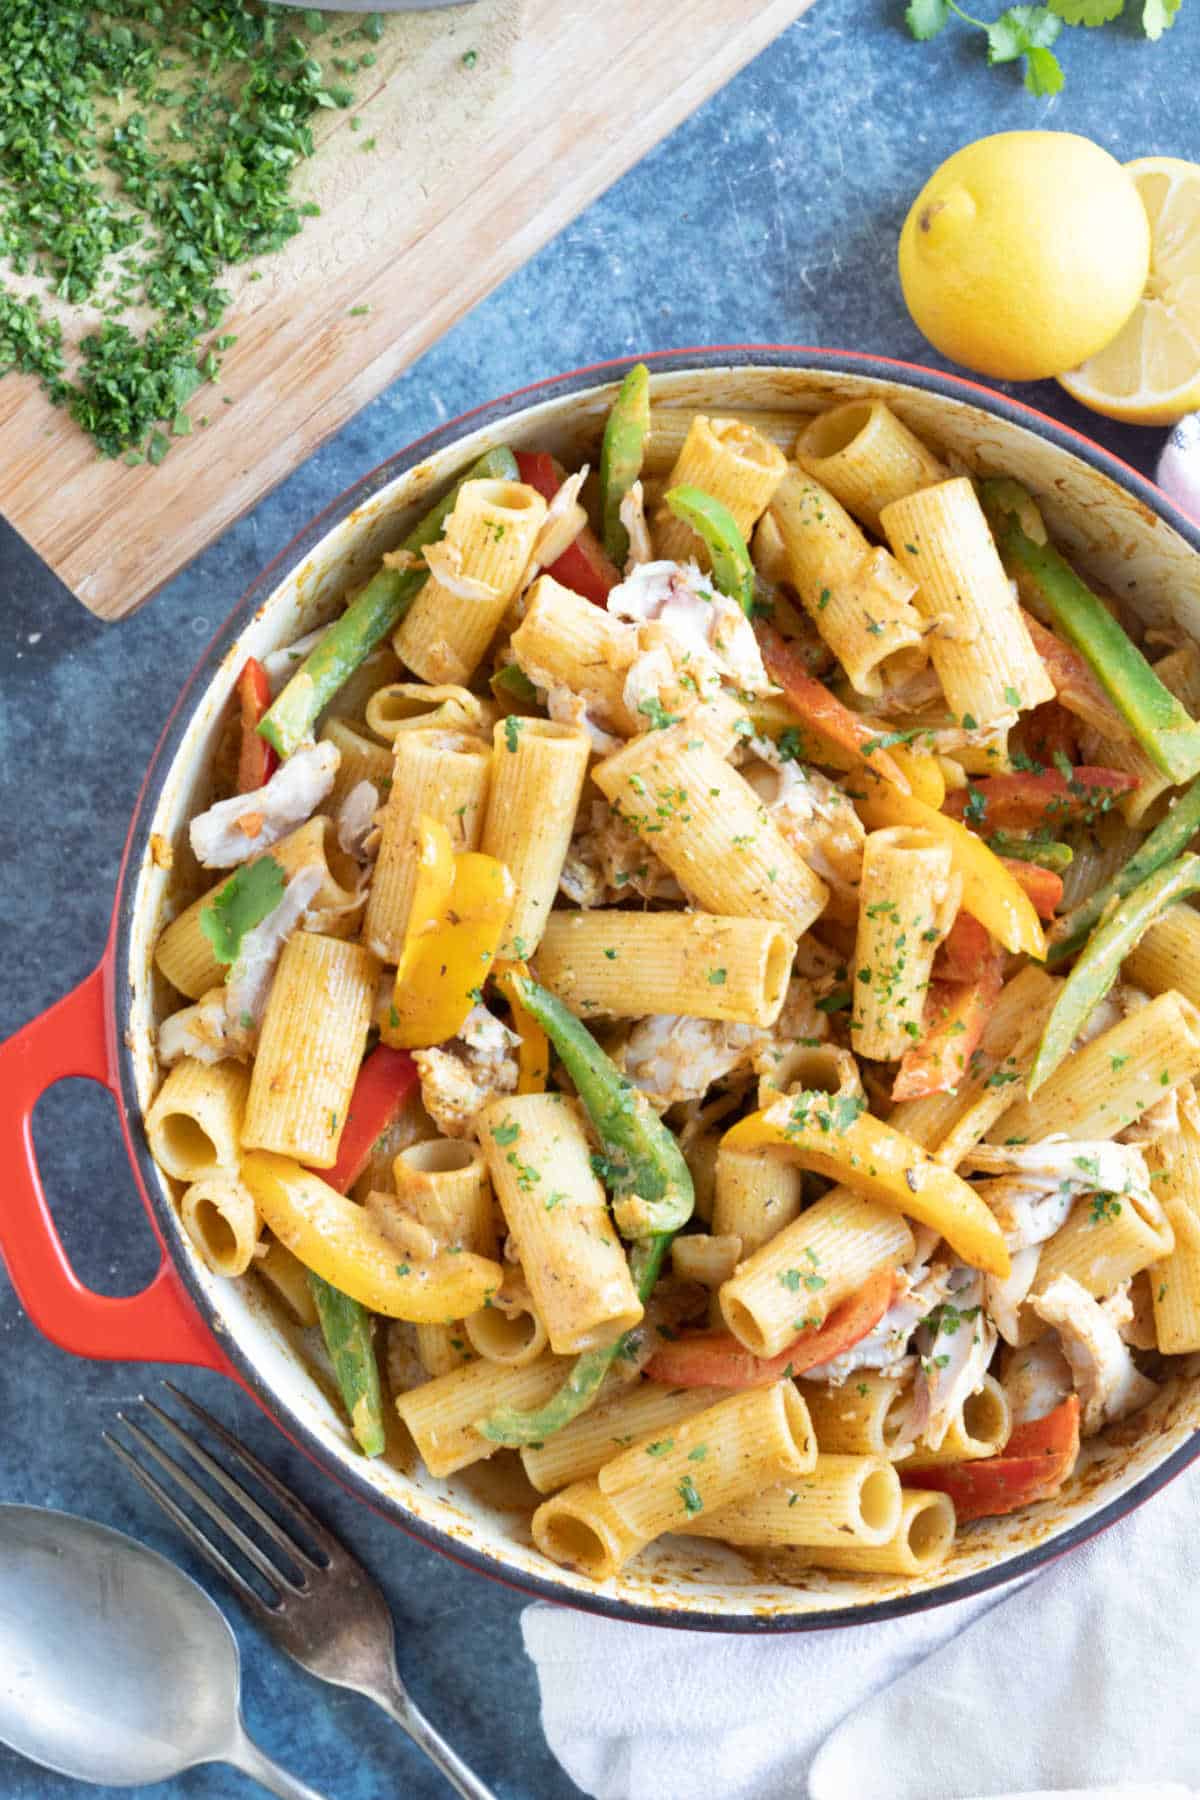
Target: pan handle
{"x": 158, "y": 1325}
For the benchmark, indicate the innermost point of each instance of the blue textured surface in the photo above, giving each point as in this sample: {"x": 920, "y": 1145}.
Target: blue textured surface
{"x": 771, "y": 216}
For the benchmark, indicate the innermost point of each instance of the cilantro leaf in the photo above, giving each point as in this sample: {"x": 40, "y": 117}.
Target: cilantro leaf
{"x": 1158, "y": 16}
{"x": 1087, "y": 12}
{"x": 1043, "y": 72}
{"x": 1020, "y": 30}
{"x": 925, "y": 18}
{"x": 242, "y": 903}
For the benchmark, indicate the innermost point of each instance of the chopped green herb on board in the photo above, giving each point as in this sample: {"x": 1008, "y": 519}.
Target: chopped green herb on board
{"x": 144, "y": 150}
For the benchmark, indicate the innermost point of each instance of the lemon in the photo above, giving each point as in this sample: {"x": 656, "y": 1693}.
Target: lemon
{"x": 1150, "y": 373}
{"x": 1025, "y": 253}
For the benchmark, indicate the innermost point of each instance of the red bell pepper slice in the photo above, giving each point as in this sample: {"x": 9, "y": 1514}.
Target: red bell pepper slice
{"x": 1036, "y": 1461}
{"x": 822, "y": 711}
{"x": 717, "y": 1359}
{"x": 385, "y": 1082}
{"x": 1076, "y": 686}
{"x": 257, "y": 761}
{"x": 966, "y": 953}
{"x": 1050, "y": 731}
{"x": 955, "y": 1015}
{"x": 1022, "y": 802}
{"x": 1044, "y": 887}
{"x": 583, "y": 565}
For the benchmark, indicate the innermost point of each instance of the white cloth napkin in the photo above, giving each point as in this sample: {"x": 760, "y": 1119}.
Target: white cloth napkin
{"x": 1084, "y": 1679}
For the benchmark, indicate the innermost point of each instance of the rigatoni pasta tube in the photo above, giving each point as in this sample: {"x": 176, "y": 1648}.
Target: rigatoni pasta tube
{"x": 183, "y": 952}
{"x": 580, "y": 1528}
{"x": 907, "y": 900}
{"x": 538, "y": 770}
{"x": 1107, "y": 1240}
{"x": 441, "y": 1414}
{"x": 516, "y": 1337}
{"x": 711, "y": 1461}
{"x": 314, "y": 1032}
{"x": 541, "y": 1166}
{"x": 220, "y": 1217}
{"x": 443, "y": 1184}
{"x": 567, "y": 641}
{"x": 195, "y": 1124}
{"x": 640, "y": 1414}
{"x": 980, "y": 645}
{"x": 921, "y": 1542}
{"x": 855, "y": 593}
{"x": 1168, "y": 955}
{"x": 734, "y": 463}
{"x": 867, "y": 458}
{"x": 339, "y": 1241}
{"x": 441, "y": 775}
{"x": 980, "y": 1427}
{"x": 360, "y": 759}
{"x": 1112, "y": 1080}
{"x": 868, "y": 1415}
{"x": 475, "y": 570}
{"x": 798, "y": 1276}
{"x": 670, "y": 425}
{"x": 696, "y": 1256}
{"x": 1175, "y": 1281}
{"x": 754, "y": 1197}
{"x": 608, "y": 964}
{"x": 413, "y": 706}
{"x": 707, "y": 824}
{"x": 841, "y": 1500}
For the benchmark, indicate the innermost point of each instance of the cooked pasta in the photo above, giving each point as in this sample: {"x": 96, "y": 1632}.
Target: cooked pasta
{"x": 867, "y": 458}
{"x": 980, "y": 646}
{"x": 700, "y": 1041}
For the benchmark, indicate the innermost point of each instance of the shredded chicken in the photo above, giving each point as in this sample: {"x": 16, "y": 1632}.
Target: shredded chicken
{"x": 1006, "y": 1296}
{"x": 956, "y": 1345}
{"x": 1116, "y": 1005}
{"x": 251, "y": 976}
{"x": 1108, "y": 1381}
{"x": 691, "y": 637}
{"x": 799, "y": 1027}
{"x": 607, "y": 861}
{"x": 672, "y": 1057}
{"x": 204, "y": 1032}
{"x": 565, "y": 519}
{"x": 356, "y": 822}
{"x": 632, "y": 515}
{"x": 234, "y": 830}
{"x": 817, "y": 819}
{"x": 566, "y": 707}
{"x": 460, "y": 1078}
{"x": 1040, "y": 1183}
{"x": 1037, "y": 1378}
{"x": 445, "y": 559}
{"x": 280, "y": 665}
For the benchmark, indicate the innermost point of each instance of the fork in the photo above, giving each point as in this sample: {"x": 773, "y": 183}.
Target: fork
{"x": 332, "y": 1618}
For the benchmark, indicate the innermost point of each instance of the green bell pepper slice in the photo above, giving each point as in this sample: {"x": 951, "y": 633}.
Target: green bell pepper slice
{"x": 733, "y": 572}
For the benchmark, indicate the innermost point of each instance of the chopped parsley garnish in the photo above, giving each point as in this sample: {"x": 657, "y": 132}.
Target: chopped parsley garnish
{"x": 508, "y": 1133}
{"x": 716, "y": 978}
{"x": 653, "y": 709}
{"x": 512, "y": 729}
{"x": 661, "y": 1447}
{"x": 688, "y": 1493}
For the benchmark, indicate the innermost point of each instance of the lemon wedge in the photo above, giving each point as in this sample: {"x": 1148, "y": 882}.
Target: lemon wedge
{"x": 1150, "y": 373}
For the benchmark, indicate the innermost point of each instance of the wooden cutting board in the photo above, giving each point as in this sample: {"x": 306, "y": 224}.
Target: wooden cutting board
{"x": 476, "y": 165}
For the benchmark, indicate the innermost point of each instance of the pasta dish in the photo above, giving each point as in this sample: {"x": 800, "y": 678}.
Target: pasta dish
{"x": 692, "y": 984}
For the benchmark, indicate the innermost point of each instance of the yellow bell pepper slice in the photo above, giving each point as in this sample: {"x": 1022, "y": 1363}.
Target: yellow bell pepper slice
{"x": 831, "y": 1136}
{"x": 989, "y": 892}
{"x": 923, "y": 773}
{"x": 460, "y": 908}
{"x": 338, "y": 1241}
{"x": 533, "y": 1057}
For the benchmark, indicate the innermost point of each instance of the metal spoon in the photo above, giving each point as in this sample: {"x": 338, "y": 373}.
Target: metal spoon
{"x": 114, "y": 1666}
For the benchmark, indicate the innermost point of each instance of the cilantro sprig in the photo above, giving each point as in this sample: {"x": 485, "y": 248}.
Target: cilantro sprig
{"x": 1026, "y": 33}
